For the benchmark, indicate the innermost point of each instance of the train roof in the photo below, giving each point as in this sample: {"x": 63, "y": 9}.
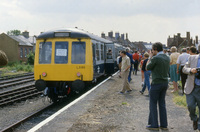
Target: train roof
{"x": 72, "y": 33}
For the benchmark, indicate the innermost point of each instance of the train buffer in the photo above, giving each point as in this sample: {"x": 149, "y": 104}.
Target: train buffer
{"x": 104, "y": 109}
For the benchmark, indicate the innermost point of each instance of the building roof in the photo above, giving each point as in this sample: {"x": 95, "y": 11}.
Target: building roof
{"x": 22, "y": 40}
{"x": 73, "y": 33}
{"x": 32, "y": 39}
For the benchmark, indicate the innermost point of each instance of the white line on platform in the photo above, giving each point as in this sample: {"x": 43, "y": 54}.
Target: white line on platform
{"x": 35, "y": 128}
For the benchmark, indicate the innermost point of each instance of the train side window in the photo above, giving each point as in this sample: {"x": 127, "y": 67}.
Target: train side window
{"x": 97, "y": 52}
{"x": 102, "y": 52}
{"x": 45, "y": 49}
{"x": 109, "y": 54}
{"x": 78, "y": 52}
{"x": 61, "y": 52}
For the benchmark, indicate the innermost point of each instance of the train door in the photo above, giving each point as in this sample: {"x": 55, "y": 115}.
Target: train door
{"x": 109, "y": 58}
{"x": 98, "y": 59}
{"x": 93, "y": 54}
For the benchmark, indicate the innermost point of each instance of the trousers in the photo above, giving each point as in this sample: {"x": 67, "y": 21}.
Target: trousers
{"x": 157, "y": 95}
{"x": 193, "y": 100}
{"x": 126, "y": 85}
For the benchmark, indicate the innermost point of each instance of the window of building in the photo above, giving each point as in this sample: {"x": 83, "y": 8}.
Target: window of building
{"x": 97, "y": 52}
{"x": 61, "y": 52}
{"x": 30, "y": 50}
{"x": 78, "y": 53}
{"x": 45, "y": 49}
{"x": 21, "y": 52}
{"x": 25, "y": 52}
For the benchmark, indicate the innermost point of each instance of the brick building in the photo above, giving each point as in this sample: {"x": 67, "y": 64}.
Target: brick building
{"x": 181, "y": 42}
{"x": 120, "y": 39}
{"x": 16, "y": 47}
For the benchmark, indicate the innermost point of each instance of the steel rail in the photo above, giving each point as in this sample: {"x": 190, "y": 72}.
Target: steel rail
{"x": 13, "y": 126}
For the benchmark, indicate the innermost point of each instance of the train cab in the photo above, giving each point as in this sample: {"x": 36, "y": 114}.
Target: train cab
{"x": 67, "y": 59}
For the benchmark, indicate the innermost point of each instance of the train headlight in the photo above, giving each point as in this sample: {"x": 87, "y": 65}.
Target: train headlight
{"x": 78, "y": 74}
{"x": 44, "y": 74}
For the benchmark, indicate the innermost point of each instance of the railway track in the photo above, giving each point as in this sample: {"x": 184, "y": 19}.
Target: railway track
{"x": 16, "y": 95}
{"x": 15, "y": 76}
{"x": 16, "y": 81}
{"x": 13, "y": 126}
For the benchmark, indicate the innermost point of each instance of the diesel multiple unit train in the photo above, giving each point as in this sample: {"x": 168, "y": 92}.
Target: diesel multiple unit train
{"x": 68, "y": 59}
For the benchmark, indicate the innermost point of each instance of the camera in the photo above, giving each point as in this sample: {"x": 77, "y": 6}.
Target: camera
{"x": 198, "y": 70}
{"x": 198, "y": 73}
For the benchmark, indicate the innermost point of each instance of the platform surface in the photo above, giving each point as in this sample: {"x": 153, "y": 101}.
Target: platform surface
{"x": 105, "y": 110}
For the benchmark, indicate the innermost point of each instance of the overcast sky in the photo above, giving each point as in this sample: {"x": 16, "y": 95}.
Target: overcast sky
{"x": 143, "y": 20}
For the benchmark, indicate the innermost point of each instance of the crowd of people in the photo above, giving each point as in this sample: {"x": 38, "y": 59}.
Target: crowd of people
{"x": 163, "y": 66}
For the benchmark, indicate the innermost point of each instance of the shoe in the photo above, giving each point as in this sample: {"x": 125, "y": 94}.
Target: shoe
{"x": 195, "y": 124}
{"x": 121, "y": 92}
{"x": 142, "y": 84}
{"x": 164, "y": 128}
{"x": 128, "y": 91}
{"x": 173, "y": 91}
{"x": 141, "y": 92}
{"x": 152, "y": 128}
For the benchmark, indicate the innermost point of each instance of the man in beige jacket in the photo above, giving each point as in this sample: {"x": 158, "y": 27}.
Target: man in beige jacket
{"x": 125, "y": 72}
{"x": 192, "y": 88}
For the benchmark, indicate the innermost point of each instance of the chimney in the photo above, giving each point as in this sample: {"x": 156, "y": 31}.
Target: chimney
{"x": 122, "y": 36}
{"x": 103, "y": 35}
{"x": 126, "y": 36}
{"x": 197, "y": 40}
{"x": 25, "y": 34}
{"x": 117, "y": 35}
{"x": 110, "y": 34}
{"x": 188, "y": 36}
{"x": 179, "y": 35}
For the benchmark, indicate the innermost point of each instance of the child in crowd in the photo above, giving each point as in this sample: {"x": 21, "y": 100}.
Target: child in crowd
{"x": 146, "y": 74}
{"x": 142, "y": 72}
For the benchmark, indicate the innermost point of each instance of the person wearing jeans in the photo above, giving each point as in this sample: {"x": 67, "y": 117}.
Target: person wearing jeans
{"x": 159, "y": 65}
{"x": 146, "y": 74}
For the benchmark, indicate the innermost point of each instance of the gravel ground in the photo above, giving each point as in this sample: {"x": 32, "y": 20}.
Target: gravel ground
{"x": 129, "y": 112}
{"x": 13, "y": 113}
{"x": 105, "y": 110}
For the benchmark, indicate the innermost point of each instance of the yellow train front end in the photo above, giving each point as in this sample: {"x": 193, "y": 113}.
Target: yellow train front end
{"x": 62, "y": 64}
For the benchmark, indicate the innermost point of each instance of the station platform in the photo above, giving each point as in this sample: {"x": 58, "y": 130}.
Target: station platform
{"x": 105, "y": 110}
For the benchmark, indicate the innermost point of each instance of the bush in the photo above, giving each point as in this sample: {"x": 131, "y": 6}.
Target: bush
{"x": 17, "y": 66}
{"x": 30, "y": 58}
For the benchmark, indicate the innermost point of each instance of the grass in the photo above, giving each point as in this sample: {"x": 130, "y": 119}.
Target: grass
{"x": 124, "y": 103}
{"x": 180, "y": 100}
{"x": 16, "y": 68}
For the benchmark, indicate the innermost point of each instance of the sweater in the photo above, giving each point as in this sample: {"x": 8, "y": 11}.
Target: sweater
{"x": 144, "y": 64}
{"x": 159, "y": 67}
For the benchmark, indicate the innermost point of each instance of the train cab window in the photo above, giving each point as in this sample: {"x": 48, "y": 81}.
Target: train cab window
{"x": 78, "y": 53}
{"x": 45, "y": 49}
{"x": 61, "y": 52}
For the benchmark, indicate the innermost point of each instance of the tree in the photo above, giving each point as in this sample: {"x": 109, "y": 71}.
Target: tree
{"x": 31, "y": 57}
{"x": 14, "y": 32}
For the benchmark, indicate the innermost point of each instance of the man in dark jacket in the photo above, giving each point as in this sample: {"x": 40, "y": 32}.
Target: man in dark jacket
{"x": 131, "y": 61}
{"x": 159, "y": 67}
